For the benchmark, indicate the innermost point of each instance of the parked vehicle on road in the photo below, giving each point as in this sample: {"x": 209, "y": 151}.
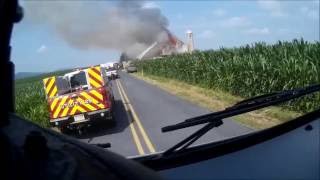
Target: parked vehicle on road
{"x": 78, "y": 98}
{"x": 112, "y": 73}
{"x": 130, "y": 67}
{"x": 111, "y": 70}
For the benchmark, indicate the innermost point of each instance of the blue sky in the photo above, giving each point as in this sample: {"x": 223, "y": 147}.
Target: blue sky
{"x": 37, "y": 48}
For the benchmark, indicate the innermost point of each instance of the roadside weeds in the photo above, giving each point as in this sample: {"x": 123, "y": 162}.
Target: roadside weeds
{"x": 216, "y": 100}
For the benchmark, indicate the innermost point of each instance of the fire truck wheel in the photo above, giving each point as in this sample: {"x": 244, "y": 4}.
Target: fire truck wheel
{"x": 113, "y": 116}
{"x": 62, "y": 130}
{"x": 110, "y": 122}
{"x": 81, "y": 131}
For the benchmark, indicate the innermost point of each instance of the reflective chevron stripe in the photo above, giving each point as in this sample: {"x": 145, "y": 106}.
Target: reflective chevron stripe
{"x": 95, "y": 78}
{"x": 50, "y": 86}
{"x": 86, "y": 101}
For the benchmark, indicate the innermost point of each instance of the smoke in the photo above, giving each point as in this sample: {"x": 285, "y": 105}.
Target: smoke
{"x": 127, "y": 26}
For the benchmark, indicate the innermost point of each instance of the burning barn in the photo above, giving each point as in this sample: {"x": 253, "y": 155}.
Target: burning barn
{"x": 171, "y": 45}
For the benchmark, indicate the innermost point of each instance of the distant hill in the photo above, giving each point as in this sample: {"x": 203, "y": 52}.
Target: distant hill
{"x": 21, "y": 75}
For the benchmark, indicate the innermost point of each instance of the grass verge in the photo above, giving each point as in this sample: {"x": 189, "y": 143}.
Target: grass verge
{"x": 218, "y": 100}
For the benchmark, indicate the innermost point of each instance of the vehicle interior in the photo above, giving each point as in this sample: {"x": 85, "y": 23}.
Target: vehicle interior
{"x": 287, "y": 150}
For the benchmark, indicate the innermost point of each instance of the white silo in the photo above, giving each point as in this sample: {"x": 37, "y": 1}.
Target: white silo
{"x": 190, "y": 46}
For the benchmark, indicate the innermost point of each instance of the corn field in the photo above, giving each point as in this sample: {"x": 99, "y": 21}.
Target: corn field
{"x": 30, "y": 101}
{"x": 247, "y": 71}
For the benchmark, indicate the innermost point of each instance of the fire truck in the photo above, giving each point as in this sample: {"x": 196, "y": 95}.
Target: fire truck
{"x": 78, "y": 98}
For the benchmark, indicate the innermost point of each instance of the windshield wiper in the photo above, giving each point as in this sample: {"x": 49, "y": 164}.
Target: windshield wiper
{"x": 215, "y": 119}
{"x": 103, "y": 145}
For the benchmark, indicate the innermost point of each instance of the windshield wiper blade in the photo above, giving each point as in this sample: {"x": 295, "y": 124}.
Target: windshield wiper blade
{"x": 103, "y": 145}
{"x": 246, "y": 106}
{"x": 215, "y": 119}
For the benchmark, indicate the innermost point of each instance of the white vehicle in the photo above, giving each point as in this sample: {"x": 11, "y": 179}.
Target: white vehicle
{"x": 129, "y": 67}
{"x": 111, "y": 70}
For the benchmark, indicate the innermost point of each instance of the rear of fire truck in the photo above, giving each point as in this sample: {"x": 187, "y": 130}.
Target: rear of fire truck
{"x": 79, "y": 98}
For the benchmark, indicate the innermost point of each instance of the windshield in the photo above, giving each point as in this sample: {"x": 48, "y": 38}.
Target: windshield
{"x": 171, "y": 62}
{"x": 111, "y": 69}
{"x": 78, "y": 80}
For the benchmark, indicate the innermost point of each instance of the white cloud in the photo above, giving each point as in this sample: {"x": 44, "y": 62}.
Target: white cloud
{"x": 219, "y": 12}
{"x": 283, "y": 30}
{"x": 42, "y": 49}
{"x": 287, "y": 31}
{"x": 235, "y": 22}
{"x": 304, "y": 9}
{"x": 179, "y": 16}
{"x": 273, "y": 6}
{"x": 207, "y": 34}
{"x": 258, "y": 31}
{"x": 150, "y": 5}
{"x": 310, "y": 13}
{"x": 313, "y": 14}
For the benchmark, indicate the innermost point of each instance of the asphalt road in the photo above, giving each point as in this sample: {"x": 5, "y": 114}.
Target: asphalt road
{"x": 141, "y": 110}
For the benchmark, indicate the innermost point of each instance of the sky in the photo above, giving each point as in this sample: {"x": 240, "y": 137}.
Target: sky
{"x": 215, "y": 24}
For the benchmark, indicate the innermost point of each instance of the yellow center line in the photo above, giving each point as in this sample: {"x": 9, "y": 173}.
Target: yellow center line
{"x": 136, "y": 118}
{"x": 133, "y": 131}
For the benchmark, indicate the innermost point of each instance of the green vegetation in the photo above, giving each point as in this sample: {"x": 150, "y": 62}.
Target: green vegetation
{"x": 247, "y": 71}
{"x": 30, "y": 98}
